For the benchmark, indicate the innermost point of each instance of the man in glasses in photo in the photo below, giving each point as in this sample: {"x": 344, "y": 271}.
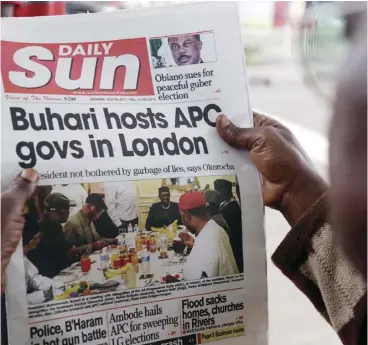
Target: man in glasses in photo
{"x": 81, "y": 232}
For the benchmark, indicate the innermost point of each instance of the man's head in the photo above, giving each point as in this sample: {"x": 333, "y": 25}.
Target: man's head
{"x": 164, "y": 195}
{"x": 193, "y": 211}
{"x": 57, "y": 207}
{"x": 225, "y": 188}
{"x": 213, "y": 200}
{"x": 185, "y": 49}
{"x": 94, "y": 207}
{"x": 348, "y": 144}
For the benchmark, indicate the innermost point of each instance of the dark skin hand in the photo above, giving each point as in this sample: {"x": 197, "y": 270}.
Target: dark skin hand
{"x": 98, "y": 245}
{"x": 187, "y": 239}
{"x": 12, "y": 220}
{"x": 284, "y": 166}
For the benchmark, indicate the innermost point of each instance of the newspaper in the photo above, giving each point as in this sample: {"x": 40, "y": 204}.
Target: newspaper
{"x": 146, "y": 227}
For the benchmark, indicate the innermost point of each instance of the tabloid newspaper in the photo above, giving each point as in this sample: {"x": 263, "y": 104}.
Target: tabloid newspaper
{"x": 146, "y": 228}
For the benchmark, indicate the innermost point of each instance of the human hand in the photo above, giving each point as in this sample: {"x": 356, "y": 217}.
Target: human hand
{"x": 72, "y": 254}
{"x": 290, "y": 183}
{"x": 48, "y": 294}
{"x": 12, "y": 221}
{"x": 98, "y": 245}
{"x": 187, "y": 239}
{"x": 182, "y": 235}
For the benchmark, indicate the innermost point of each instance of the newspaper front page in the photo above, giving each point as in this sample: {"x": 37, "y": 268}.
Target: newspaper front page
{"x": 146, "y": 227}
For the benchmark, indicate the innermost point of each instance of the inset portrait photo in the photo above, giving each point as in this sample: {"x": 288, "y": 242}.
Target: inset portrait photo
{"x": 183, "y": 50}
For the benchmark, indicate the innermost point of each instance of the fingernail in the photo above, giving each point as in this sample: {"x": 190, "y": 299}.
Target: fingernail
{"x": 30, "y": 175}
{"x": 224, "y": 120}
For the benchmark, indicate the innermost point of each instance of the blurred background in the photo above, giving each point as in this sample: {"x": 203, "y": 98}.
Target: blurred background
{"x": 292, "y": 51}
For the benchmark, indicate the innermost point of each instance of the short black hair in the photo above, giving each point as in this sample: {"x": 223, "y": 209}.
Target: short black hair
{"x": 200, "y": 212}
{"x": 196, "y": 36}
{"x": 213, "y": 208}
{"x": 96, "y": 200}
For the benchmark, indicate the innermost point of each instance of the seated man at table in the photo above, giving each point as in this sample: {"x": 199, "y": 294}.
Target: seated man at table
{"x": 212, "y": 255}
{"x": 48, "y": 250}
{"x": 80, "y": 231}
{"x": 163, "y": 213}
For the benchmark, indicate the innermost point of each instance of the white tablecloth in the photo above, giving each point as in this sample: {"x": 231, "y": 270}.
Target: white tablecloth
{"x": 158, "y": 267}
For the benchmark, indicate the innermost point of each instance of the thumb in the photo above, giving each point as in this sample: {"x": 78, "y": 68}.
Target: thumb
{"x": 12, "y": 221}
{"x": 21, "y": 188}
{"x": 240, "y": 138}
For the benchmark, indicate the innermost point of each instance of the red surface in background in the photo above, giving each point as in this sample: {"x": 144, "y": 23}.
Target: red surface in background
{"x": 35, "y": 9}
{"x": 280, "y": 15}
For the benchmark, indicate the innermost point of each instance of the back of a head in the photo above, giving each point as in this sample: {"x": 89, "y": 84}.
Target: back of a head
{"x": 193, "y": 202}
{"x": 96, "y": 200}
{"x": 213, "y": 200}
{"x": 200, "y": 212}
{"x": 224, "y": 187}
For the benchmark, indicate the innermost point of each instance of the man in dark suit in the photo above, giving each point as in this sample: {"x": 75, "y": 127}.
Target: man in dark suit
{"x": 163, "y": 213}
{"x": 231, "y": 212}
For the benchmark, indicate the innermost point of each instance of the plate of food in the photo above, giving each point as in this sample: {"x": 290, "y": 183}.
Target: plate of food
{"x": 65, "y": 278}
{"x": 171, "y": 278}
{"x": 85, "y": 288}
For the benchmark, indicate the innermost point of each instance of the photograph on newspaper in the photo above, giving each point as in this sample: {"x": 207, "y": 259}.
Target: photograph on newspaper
{"x": 182, "y": 50}
{"x": 86, "y": 239}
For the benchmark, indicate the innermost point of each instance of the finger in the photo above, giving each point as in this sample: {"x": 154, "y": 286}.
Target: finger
{"x": 24, "y": 185}
{"x": 21, "y": 189}
{"x": 240, "y": 138}
{"x": 262, "y": 120}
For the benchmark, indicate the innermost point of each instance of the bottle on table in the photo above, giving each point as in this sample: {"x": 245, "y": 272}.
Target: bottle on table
{"x": 171, "y": 233}
{"x": 105, "y": 259}
{"x": 146, "y": 240}
{"x": 153, "y": 243}
{"x": 122, "y": 246}
{"x": 163, "y": 246}
{"x": 138, "y": 240}
{"x": 146, "y": 264}
{"x": 135, "y": 261}
{"x": 130, "y": 228}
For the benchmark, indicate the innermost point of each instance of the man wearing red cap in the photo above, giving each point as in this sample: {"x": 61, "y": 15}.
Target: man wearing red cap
{"x": 212, "y": 255}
